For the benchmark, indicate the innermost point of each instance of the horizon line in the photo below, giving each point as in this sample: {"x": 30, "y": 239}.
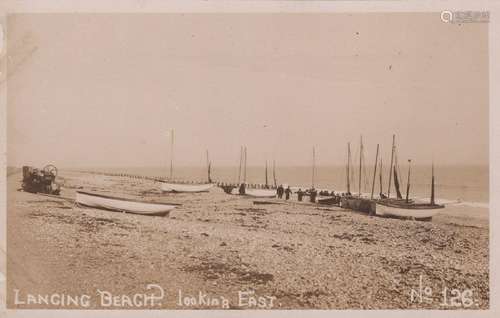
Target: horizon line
{"x": 253, "y": 166}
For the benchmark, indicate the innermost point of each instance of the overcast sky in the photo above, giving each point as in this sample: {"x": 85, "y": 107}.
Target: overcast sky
{"x": 103, "y": 90}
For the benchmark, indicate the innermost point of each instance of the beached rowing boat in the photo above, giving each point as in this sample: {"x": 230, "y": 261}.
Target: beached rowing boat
{"x": 417, "y": 211}
{"x": 189, "y": 188}
{"x": 260, "y": 193}
{"x": 105, "y": 202}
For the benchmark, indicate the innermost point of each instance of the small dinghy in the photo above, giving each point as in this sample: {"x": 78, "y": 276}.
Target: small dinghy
{"x": 110, "y": 203}
{"x": 185, "y": 188}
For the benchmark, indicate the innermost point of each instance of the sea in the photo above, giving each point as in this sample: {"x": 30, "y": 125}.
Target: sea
{"x": 466, "y": 185}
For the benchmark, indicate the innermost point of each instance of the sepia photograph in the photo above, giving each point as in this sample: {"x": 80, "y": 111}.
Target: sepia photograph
{"x": 247, "y": 160}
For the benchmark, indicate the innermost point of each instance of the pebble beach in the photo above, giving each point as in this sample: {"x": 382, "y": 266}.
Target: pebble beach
{"x": 292, "y": 255}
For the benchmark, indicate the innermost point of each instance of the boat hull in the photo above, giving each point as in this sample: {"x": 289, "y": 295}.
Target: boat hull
{"x": 263, "y": 202}
{"x": 260, "y": 193}
{"x": 122, "y": 205}
{"x": 409, "y": 211}
{"x": 329, "y": 201}
{"x": 185, "y": 188}
{"x": 359, "y": 204}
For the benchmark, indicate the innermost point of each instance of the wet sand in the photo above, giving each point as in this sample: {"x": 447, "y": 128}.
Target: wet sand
{"x": 306, "y": 256}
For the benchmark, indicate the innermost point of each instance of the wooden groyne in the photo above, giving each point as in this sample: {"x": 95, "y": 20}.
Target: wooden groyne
{"x": 177, "y": 181}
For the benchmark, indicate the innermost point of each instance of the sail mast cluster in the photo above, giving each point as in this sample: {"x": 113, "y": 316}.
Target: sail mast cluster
{"x": 394, "y": 171}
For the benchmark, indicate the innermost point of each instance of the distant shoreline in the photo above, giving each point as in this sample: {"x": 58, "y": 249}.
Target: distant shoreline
{"x": 318, "y": 166}
{"x": 455, "y": 183}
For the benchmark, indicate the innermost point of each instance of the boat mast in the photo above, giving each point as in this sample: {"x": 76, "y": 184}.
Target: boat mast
{"x": 408, "y": 182}
{"x": 348, "y": 166}
{"x": 364, "y": 177}
{"x": 241, "y": 160}
{"x": 374, "y": 172}
{"x": 313, "y": 168}
{"x": 171, "y": 153}
{"x": 390, "y": 168}
{"x": 397, "y": 173}
{"x": 380, "y": 176}
{"x": 432, "y": 185}
{"x": 245, "y": 165}
{"x": 274, "y": 173}
{"x": 360, "y": 156}
{"x": 267, "y": 184}
{"x": 209, "y": 166}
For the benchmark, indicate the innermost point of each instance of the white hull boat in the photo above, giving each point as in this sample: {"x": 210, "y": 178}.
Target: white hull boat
{"x": 260, "y": 193}
{"x": 122, "y": 205}
{"x": 417, "y": 211}
{"x": 187, "y": 188}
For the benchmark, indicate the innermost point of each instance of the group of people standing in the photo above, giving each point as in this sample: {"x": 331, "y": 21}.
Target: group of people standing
{"x": 281, "y": 190}
{"x": 287, "y": 192}
{"x": 312, "y": 193}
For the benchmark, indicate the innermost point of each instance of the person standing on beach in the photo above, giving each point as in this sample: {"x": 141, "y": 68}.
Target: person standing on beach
{"x": 300, "y": 194}
{"x": 242, "y": 189}
{"x": 280, "y": 191}
{"x": 288, "y": 191}
{"x": 313, "y": 195}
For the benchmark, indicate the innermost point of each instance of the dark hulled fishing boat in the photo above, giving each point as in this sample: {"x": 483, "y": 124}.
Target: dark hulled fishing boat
{"x": 356, "y": 203}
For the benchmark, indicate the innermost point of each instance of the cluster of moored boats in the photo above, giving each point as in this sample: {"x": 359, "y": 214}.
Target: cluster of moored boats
{"x": 382, "y": 205}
